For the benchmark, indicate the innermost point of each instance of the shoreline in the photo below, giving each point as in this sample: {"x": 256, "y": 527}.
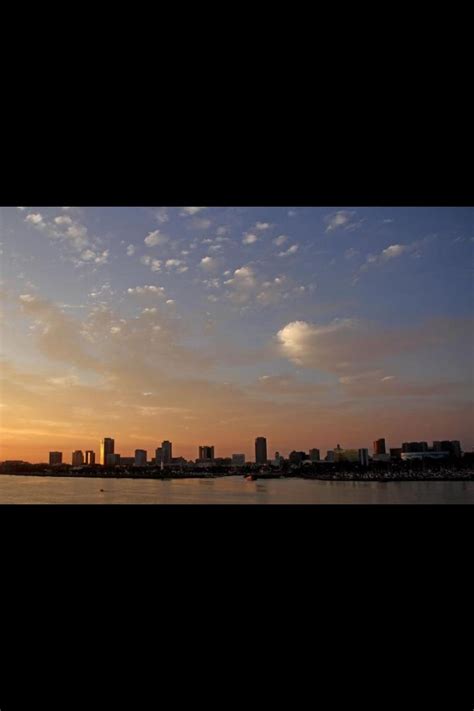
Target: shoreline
{"x": 343, "y": 476}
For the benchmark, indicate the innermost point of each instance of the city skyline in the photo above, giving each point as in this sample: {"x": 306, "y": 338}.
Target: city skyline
{"x": 315, "y": 325}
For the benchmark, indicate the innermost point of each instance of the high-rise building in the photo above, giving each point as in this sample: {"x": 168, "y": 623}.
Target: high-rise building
{"x": 379, "y": 447}
{"x": 77, "y": 458}
{"x": 206, "y": 452}
{"x": 90, "y": 456}
{"x": 55, "y": 457}
{"x": 453, "y": 447}
{"x": 364, "y": 457}
{"x": 107, "y": 446}
{"x": 238, "y": 460}
{"x": 330, "y": 455}
{"x": 414, "y": 447}
{"x": 158, "y": 455}
{"x": 314, "y": 455}
{"x": 140, "y": 457}
{"x": 261, "y": 450}
{"x": 112, "y": 459}
{"x": 166, "y": 452}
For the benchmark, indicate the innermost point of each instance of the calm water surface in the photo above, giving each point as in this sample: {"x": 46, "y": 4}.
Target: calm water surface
{"x": 228, "y": 490}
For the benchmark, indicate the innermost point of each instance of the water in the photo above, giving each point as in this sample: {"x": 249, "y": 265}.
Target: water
{"x": 228, "y": 490}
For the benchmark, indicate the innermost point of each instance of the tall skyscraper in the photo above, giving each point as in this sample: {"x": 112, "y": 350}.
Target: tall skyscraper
{"x": 107, "y": 446}
{"x": 364, "y": 457}
{"x": 314, "y": 455}
{"x": 140, "y": 457}
{"x": 261, "y": 450}
{"x": 77, "y": 458}
{"x": 206, "y": 452}
{"x": 90, "y": 456}
{"x": 158, "y": 455}
{"x": 379, "y": 447}
{"x": 166, "y": 452}
{"x": 55, "y": 457}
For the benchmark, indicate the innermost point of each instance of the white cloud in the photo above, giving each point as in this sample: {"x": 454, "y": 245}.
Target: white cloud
{"x": 155, "y": 238}
{"x": 280, "y": 240}
{"x": 147, "y": 289}
{"x": 162, "y": 215}
{"x": 249, "y": 238}
{"x": 309, "y": 344}
{"x": 146, "y": 259}
{"x": 208, "y": 263}
{"x": 155, "y": 265}
{"x": 191, "y": 210}
{"x": 342, "y": 219}
{"x": 262, "y": 226}
{"x": 130, "y": 250}
{"x": 63, "y": 220}
{"x": 391, "y": 252}
{"x": 102, "y": 258}
{"x": 87, "y": 255}
{"x": 27, "y": 298}
{"x": 290, "y": 250}
{"x": 35, "y": 218}
{"x": 170, "y": 301}
{"x": 221, "y": 231}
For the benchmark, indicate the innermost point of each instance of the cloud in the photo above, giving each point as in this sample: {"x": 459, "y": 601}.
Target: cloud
{"x": 391, "y": 252}
{"x": 186, "y": 211}
{"x": 155, "y": 238}
{"x": 342, "y": 219}
{"x": 161, "y": 215}
{"x": 34, "y": 218}
{"x": 242, "y": 284}
{"x": 221, "y": 231}
{"x": 87, "y": 255}
{"x": 146, "y": 289}
{"x": 249, "y": 238}
{"x": 289, "y": 251}
{"x": 280, "y": 240}
{"x": 261, "y": 226}
{"x": 209, "y": 263}
{"x": 292, "y": 213}
{"x": 312, "y": 345}
{"x": 63, "y": 220}
{"x": 131, "y": 250}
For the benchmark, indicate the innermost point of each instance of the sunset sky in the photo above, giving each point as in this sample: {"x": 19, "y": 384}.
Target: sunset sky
{"x": 203, "y": 325}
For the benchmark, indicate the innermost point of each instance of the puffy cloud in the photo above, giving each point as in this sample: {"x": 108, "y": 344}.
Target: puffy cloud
{"x": 34, "y": 218}
{"x": 130, "y": 250}
{"x": 191, "y": 210}
{"x": 146, "y": 289}
{"x": 63, "y": 220}
{"x": 289, "y": 251}
{"x": 249, "y": 238}
{"x": 391, "y": 252}
{"x": 316, "y": 346}
{"x": 155, "y": 238}
{"x": 87, "y": 255}
{"x": 342, "y": 219}
{"x": 209, "y": 263}
{"x": 162, "y": 215}
{"x": 280, "y": 240}
{"x": 261, "y": 226}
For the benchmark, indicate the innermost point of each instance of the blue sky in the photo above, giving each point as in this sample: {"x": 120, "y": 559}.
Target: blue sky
{"x": 309, "y": 325}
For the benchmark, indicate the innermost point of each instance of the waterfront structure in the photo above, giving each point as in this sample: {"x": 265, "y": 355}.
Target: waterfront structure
{"x": 379, "y": 447}
{"x": 55, "y": 457}
{"x": 238, "y": 460}
{"x": 158, "y": 455}
{"x": 107, "y": 447}
{"x": 127, "y": 461}
{"x": 112, "y": 459}
{"x": 414, "y": 447}
{"x": 206, "y": 452}
{"x": 166, "y": 452}
{"x": 395, "y": 452}
{"x": 77, "y": 458}
{"x": 451, "y": 446}
{"x": 364, "y": 457}
{"x": 140, "y": 457}
{"x": 261, "y": 450}
{"x": 406, "y": 456}
{"x": 90, "y": 457}
{"x": 314, "y": 455}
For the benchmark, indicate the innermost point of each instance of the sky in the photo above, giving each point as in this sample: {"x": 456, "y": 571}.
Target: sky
{"x": 310, "y": 326}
